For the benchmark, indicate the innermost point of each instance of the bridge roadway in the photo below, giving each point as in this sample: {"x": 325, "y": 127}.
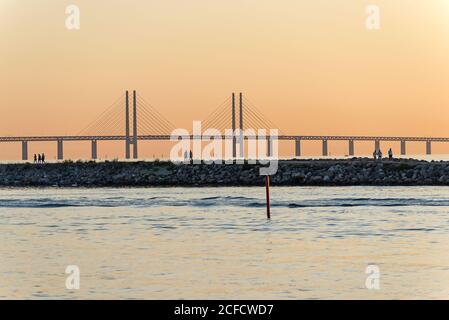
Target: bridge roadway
{"x": 351, "y": 139}
{"x": 167, "y": 137}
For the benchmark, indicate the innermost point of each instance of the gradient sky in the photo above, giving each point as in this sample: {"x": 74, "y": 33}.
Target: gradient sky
{"x": 311, "y": 66}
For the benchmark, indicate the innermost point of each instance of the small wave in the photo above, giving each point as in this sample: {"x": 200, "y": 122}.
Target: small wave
{"x": 56, "y": 205}
{"x": 324, "y": 205}
{"x": 43, "y": 204}
{"x": 415, "y": 229}
{"x": 220, "y": 201}
{"x": 227, "y": 198}
{"x": 256, "y": 205}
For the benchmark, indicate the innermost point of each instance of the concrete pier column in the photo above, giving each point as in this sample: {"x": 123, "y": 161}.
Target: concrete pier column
{"x": 351, "y": 147}
{"x": 94, "y": 149}
{"x": 234, "y": 140}
{"x": 377, "y": 145}
{"x": 298, "y": 147}
{"x": 403, "y": 150}
{"x": 24, "y": 150}
{"x": 269, "y": 147}
{"x": 325, "y": 153}
{"x": 60, "y": 150}
{"x": 428, "y": 147}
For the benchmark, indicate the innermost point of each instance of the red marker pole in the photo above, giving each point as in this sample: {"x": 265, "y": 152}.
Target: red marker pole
{"x": 267, "y": 190}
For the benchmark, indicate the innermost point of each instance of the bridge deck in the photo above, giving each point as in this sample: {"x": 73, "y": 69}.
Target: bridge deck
{"x": 167, "y": 137}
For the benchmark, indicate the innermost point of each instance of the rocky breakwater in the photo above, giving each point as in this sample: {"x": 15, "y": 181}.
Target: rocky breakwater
{"x": 356, "y": 171}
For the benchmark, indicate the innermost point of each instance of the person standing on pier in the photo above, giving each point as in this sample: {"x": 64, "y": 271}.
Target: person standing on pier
{"x": 39, "y": 159}
{"x": 390, "y": 154}
{"x": 379, "y": 154}
{"x": 35, "y": 158}
{"x": 43, "y": 157}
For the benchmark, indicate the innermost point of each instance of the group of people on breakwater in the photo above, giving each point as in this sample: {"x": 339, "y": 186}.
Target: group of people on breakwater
{"x": 377, "y": 154}
{"x": 39, "y": 158}
{"x": 188, "y": 156}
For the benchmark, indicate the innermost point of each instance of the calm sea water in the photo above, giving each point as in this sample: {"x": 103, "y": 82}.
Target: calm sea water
{"x": 207, "y": 243}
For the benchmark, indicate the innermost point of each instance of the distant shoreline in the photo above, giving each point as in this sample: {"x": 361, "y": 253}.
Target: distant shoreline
{"x": 321, "y": 172}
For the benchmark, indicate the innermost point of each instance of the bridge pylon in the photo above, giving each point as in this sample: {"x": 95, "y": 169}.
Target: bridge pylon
{"x": 127, "y": 138}
{"x": 135, "y": 150}
{"x": 236, "y": 139}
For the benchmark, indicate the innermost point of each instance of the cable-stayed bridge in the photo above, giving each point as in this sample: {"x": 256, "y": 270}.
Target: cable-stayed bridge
{"x": 132, "y": 119}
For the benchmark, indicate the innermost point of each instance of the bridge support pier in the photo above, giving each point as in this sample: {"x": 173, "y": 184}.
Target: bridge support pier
{"x": 325, "y": 152}
{"x": 428, "y": 147}
{"x": 60, "y": 150}
{"x": 24, "y": 150}
{"x": 377, "y": 145}
{"x": 351, "y": 148}
{"x": 403, "y": 150}
{"x": 269, "y": 147}
{"x": 234, "y": 139}
{"x": 298, "y": 147}
{"x": 94, "y": 149}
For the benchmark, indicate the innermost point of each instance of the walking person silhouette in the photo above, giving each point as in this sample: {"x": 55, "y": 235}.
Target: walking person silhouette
{"x": 390, "y": 154}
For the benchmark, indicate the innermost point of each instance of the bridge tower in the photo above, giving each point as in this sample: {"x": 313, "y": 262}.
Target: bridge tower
{"x": 127, "y": 138}
{"x": 241, "y": 153}
{"x": 135, "y": 154}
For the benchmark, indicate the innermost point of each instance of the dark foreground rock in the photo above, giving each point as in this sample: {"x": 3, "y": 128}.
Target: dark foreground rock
{"x": 356, "y": 171}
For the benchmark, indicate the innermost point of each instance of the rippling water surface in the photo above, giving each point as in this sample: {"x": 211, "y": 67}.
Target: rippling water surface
{"x": 207, "y": 243}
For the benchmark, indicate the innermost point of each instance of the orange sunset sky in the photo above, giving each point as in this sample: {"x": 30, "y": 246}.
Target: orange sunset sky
{"x": 311, "y": 66}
